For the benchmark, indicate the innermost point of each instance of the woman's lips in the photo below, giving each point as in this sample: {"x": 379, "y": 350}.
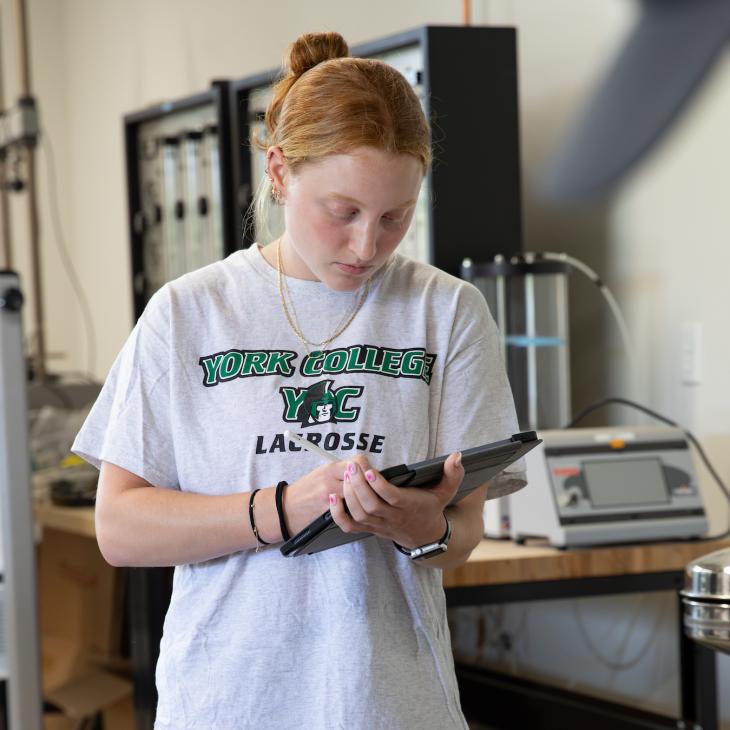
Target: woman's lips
{"x": 349, "y": 269}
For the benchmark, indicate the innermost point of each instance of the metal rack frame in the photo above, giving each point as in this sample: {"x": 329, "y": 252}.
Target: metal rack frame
{"x": 18, "y": 566}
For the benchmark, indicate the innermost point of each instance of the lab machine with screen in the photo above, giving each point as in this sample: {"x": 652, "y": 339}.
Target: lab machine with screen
{"x": 597, "y": 486}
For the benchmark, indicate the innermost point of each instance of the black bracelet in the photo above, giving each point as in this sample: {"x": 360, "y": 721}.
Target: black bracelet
{"x": 259, "y": 540}
{"x": 280, "y": 509}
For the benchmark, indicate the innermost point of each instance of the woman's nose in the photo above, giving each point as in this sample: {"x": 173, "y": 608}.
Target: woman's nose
{"x": 364, "y": 243}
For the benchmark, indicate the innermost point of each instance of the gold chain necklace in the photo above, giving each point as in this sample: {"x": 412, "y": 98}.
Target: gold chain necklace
{"x": 291, "y": 316}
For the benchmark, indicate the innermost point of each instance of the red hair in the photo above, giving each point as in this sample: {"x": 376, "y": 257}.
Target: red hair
{"x": 327, "y": 103}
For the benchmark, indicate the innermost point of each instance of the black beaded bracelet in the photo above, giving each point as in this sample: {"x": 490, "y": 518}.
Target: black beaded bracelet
{"x": 254, "y": 529}
{"x": 280, "y": 509}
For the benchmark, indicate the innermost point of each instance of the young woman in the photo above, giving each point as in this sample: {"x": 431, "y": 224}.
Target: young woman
{"x": 376, "y": 358}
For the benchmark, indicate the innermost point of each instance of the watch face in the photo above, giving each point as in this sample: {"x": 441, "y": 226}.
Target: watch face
{"x": 435, "y": 548}
{"x": 428, "y": 551}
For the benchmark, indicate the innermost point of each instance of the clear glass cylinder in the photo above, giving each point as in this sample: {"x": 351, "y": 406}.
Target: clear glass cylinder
{"x": 528, "y": 298}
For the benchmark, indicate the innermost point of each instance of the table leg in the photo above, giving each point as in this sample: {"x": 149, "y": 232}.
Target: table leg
{"x": 697, "y": 681}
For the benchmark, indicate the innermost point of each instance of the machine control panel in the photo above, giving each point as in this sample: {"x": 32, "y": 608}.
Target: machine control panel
{"x": 629, "y": 480}
{"x": 598, "y": 486}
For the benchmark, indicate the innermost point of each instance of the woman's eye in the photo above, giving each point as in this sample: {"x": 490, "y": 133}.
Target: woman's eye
{"x": 348, "y": 215}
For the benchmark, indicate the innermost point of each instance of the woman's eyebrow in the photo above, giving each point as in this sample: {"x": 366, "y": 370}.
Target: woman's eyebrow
{"x": 348, "y": 199}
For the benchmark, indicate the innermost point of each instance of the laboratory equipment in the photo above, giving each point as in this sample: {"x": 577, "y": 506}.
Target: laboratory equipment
{"x": 173, "y": 208}
{"x": 196, "y": 201}
{"x": 180, "y": 192}
{"x": 706, "y": 600}
{"x": 528, "y": 298}
{"x": 600, "y": 486}
{"x": 466, "y": 79}
{"x": 19, "y": 626}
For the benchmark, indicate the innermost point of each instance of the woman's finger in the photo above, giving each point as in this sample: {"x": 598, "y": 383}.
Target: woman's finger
{"x": 352, "y": 501}
{"x": 370, "y": 501}
{"x": 339, "y": 514}
{"x": 387, "y": 492}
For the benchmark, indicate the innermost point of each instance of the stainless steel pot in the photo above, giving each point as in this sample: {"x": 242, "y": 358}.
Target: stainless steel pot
{"x": 706, "y": 599}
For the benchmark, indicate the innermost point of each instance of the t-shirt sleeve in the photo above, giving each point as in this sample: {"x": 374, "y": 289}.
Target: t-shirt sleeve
{"x": 129, "y": 424}
{"x": 476, "y": 404}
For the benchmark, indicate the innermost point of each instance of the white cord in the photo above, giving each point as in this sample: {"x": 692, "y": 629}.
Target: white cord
{"x": 612, "y": 303}
{"x": 617, "y": 664}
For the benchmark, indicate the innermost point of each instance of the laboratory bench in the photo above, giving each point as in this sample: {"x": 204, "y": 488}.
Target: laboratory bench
{"x": 74, "y": 520}
{"x": 498, "y": 572}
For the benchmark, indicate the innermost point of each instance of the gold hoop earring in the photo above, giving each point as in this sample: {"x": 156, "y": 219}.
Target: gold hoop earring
{"x": 276, "y": 194}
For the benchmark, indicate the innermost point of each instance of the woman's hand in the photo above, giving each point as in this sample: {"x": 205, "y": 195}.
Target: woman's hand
{"x": 410, "y": 516}
{"x": 308, "y": 497}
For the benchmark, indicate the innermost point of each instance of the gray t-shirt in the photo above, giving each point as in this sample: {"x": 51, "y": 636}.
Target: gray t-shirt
{"x": 353, "y": 638}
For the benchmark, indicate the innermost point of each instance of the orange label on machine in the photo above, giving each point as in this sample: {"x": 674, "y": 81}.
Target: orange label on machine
{"x": 566, "y": 471}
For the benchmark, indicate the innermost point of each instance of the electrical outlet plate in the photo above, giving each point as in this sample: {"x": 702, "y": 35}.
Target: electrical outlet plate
{"x": 691, "y": 353}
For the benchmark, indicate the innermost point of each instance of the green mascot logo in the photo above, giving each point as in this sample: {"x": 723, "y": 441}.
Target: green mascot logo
{"x": 320, "y": 403}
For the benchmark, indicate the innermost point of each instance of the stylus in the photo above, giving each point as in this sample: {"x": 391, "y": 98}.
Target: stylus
{"x": 310, "y": 446}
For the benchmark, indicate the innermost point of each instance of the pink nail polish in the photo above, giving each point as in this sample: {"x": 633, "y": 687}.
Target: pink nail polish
{"x": 333, "y": 500}
{"x": 369, "y": 476}
{"x": 347, "y": 476}
{"x": 350, "y": 468}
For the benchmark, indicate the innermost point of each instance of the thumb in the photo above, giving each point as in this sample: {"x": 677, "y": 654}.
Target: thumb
{"x": 452, "y": 478}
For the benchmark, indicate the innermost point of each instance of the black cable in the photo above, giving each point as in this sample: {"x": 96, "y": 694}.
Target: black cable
{"x": 63, "y": 251}
{"x": 669, "y": 422}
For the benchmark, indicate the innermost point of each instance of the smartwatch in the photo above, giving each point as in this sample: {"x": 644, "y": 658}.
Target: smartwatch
{"x": 430, "y": 549}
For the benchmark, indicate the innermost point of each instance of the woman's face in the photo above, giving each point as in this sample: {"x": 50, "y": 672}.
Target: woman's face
{"x": 346, "y": 214}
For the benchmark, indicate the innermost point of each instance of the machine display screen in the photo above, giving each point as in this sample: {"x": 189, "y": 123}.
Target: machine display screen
{"x": 625, "y": 482}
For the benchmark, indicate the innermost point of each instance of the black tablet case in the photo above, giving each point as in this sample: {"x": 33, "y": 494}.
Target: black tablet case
{"x": 481, "y": 464}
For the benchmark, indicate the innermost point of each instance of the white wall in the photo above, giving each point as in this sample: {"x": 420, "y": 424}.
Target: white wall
{"x": 670, "y": 234}
{"x": 660, "y": 244}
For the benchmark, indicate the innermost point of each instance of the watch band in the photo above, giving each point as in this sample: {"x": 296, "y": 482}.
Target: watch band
{"x": 430, "y": 549}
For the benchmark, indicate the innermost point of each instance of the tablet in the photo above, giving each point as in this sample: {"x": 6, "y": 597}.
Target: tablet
{"x": 481, "y": 464}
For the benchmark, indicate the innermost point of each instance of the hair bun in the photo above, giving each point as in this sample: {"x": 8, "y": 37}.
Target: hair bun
{"x": 312, "y": 48}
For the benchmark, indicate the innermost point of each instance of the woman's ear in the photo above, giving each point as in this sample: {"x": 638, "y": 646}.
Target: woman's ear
{"x": 277, "y": 169}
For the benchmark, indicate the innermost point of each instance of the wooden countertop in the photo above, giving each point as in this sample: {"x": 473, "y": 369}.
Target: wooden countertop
{"x": 76, "y": 520}
{"x": 502, "y": 561}
{"x": 493, "y": 561}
